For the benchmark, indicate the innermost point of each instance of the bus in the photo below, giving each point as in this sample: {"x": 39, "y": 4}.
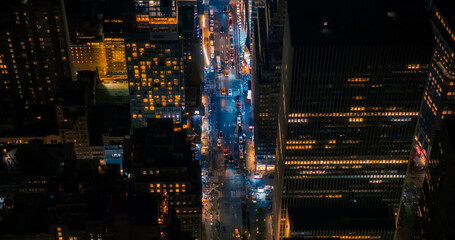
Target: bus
{"x": 218, "y": 63}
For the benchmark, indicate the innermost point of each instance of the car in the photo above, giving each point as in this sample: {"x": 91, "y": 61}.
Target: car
{"x": 230, "y": 21}
{"x": 240, "y": 139}
{"x": 220, "y": 134}
{"x": 226, "y": 162}
{"x": 257, "y": 176}
{"x": 226, "y": 60}
{"x": 222, "y": 29}
{"x": 241, "y": 155}
{"x": 223, "y": 91}
{"x": 232, "y": 64}
{"x": 226, "y": 73}
{"x": 239, "y": 105}
{"x": 230, "y": 92}
{"x": 225, "y": 152}
{"x": 219, "y": 142}
{"x": 240, "y": 148}
{"x": 236, "y": 233}
{"x": 261, "y": 189}
{"x": 239, "y": 121}
{"x": 237, "y": 164}
{"x": 231, "y": 159}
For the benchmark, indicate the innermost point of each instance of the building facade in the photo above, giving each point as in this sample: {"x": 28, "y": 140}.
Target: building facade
{"x": 350, "y": 96}
{"x": 267, "y": 51}
{"x": 34, "y": 50}
{"x": 154, "y": 62}
{"x": 439, "y": 99}
{"x": 436, "y": 205}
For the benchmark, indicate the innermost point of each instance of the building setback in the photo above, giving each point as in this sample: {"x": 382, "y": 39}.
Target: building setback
{"x": 353, "y": 77}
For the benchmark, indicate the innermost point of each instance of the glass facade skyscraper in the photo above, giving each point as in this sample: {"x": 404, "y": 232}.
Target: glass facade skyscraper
{"x": 352, "y": 84}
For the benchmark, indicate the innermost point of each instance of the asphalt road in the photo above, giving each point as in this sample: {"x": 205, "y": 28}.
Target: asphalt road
{"x": 229, "y": 184}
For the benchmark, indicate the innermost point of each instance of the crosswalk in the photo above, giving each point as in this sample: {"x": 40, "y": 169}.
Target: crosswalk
{"x": 232, "y": 194}
{"x": 236, "y": 194}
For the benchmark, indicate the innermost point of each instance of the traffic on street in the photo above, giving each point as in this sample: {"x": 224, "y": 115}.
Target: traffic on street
{"x": 230, "y": 186}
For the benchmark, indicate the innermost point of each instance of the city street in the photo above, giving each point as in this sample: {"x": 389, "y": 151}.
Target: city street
{"x": 229, "y": 210}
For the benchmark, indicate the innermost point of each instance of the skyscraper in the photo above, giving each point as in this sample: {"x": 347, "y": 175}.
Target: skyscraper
{"x": 434, "y": 145}
{"x": 436, "y": 205}
{"x": 439, "y": 98}
{"x": 154, "y": 64}
{"x": 34, "y": 50}
{"x": 192, "y": 60}
{"x": 266, "y": 75}
{"x": 353, "y": 77}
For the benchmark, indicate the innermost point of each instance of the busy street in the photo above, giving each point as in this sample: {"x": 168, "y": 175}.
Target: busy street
{"x": 228, "y": 179}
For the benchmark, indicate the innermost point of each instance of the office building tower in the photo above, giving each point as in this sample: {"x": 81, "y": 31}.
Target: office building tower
{"x": 352, "y": 83}
{"x": 89, "y": 54}
{"x": 34, "y": 50}
{"x": 266, "y": 75}
{"x": 436, "y": 205}
{"x": 154, "y": 61}
{"x": 72, "y": 110}
{"x": 161, "y": 164}
{"x": 97, "y": 42}
{"x": 192, "y": 61}
{"x": 434, "y": 145}
{"x": 114, "y": 44}
{"x": 439, "y": 98}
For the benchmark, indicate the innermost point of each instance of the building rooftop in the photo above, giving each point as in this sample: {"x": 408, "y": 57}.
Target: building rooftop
{"x": 340, "y": 218}
{"x": 358, "y": 21}
{"x": 159, "y": 145}
{"x": 37, "y": 159}
{"x": 113, "y": 120}
{"x": 17, "y": 120}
